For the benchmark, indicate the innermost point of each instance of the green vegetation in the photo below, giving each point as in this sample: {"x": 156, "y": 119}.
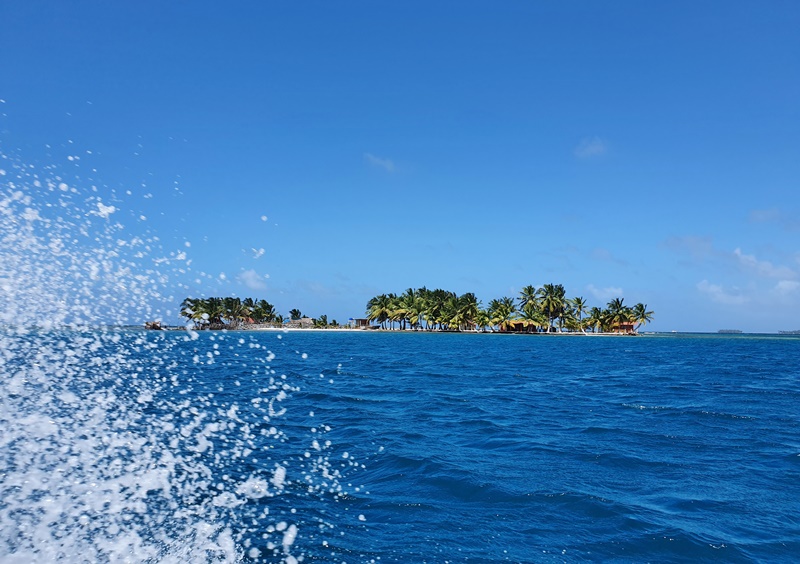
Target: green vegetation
{"x": 220, "y": 313}
{"x": 235, "y": 313}
{"x": 536, "y": 310}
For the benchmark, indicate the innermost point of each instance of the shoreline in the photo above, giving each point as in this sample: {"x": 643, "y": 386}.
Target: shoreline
{"x": 408, "y": 331}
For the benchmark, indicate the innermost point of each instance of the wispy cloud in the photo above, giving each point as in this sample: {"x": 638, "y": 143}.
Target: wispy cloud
{"x": 720, "y": 295}
{"x": 698, "y": 247}
{"x": 705, "y": 255}
{"x": 605, "y": 255}
{"x": 591, "y": 147}
{"x": 765, "y": 216}
{"x": 252, "y": 280}
{"x": 763, "y": 267}
{"x": 786, "y": 220}
{"x": 605, "y": 294}
{"x": 787, "y": 287}
{"x": 380, "y": 162}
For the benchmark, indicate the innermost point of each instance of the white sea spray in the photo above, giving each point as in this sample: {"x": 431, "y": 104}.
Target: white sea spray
{"x": 99, "y": 460}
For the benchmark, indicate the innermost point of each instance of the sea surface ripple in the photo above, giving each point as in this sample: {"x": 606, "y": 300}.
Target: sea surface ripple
{"x": 484, "y": 448}
{"x": 373, "y": 447}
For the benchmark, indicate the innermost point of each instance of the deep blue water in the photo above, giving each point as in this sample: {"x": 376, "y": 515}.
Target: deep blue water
{"x": 487, "y": 448}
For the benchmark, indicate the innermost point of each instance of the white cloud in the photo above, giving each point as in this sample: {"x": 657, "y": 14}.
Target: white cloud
{"x": 252, "y": 280}
{"x": 380, "y": 162}
{"x": 763, "y": 267}
{"x": 698, "y": 247}
{"x": 720, "y": 295}
{"x": 785, "y": 287}
{"x": 591, "y": 147}
{"x": 604, "y": 294}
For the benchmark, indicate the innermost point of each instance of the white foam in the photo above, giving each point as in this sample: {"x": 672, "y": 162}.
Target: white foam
{"x": 105, "y": 453}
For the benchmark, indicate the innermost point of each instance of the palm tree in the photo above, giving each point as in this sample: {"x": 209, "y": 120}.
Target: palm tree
{"x": 436, "y": 308}
{"x": 395, "y": 311}
{"x": 464, "y": 311}
{"x": 483, "y": 320}
{"x": 532, "y": 316}
{"x": 595, "y": 319}
{"x": 250, "y": 304}
{"x": 579, "y": 308}
{"x": 221, "y": 313}
{"x": 401, "y": 307}
{"x": 415, "y": 310}
{"x": 194, "y": 310}
{"x": 502, "y": 313}
{"x": 570, "y": 320}
{"x": 448, "y": 313}
{"x": 529, "y": 295}
{"x": 553, "y": 302}
{"x": 214, "y": 311}
{"x": 378, "y": 309}
{"x": 295, "y": 314}
{"x": 618, "y": 312}
{"x": 444, "y": 310}
{"x": 235, "y": 311}
{"x": 264, "y": 311}
{"x": 641, "y": 316}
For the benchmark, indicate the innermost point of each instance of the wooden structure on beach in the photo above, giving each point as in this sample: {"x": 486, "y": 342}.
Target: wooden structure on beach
{"x": 624, "y": 327}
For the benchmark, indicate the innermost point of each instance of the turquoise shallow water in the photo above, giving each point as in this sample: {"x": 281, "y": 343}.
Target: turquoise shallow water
{"x": 449, "y": 447}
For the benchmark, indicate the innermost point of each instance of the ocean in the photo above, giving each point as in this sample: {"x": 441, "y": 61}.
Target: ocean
{"x": 177, "y": 446}
{"x": 125, "y": 445}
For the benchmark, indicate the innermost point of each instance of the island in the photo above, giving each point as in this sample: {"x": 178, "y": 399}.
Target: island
{"x": 536, "y": 310}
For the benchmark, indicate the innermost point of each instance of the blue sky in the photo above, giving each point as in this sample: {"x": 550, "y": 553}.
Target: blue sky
{"x": 626, "y": 149}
